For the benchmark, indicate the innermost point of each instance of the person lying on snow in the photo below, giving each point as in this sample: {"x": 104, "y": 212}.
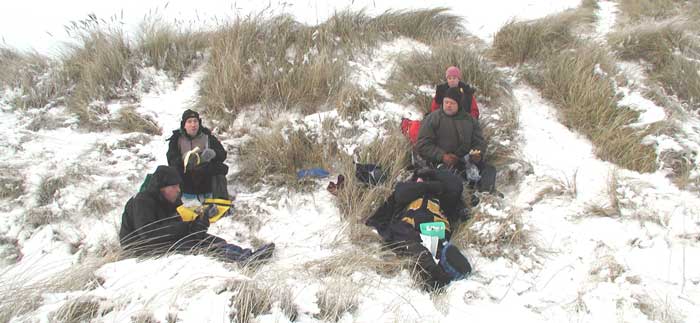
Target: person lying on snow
{"x": 203, "y": 170}
{"x": 430, "y": 201}
{"x": 451, "y": 138}
{"x": 151, "y": 225}
{"x": 454, "y": 80}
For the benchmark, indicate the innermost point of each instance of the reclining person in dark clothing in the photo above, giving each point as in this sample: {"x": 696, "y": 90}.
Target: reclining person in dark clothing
{"x": 427, "y": 203}
{"x": 151, "y": 224}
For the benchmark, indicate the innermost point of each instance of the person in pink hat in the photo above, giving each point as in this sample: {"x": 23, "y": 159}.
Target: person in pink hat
{"x": 454, "y": 79}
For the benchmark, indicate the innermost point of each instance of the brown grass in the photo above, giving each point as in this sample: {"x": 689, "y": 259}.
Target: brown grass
{"x": 356, "y": 201}
{"x": 641, "y": 10}
{"x": 37, "y": 77}
{"x": 12, "y": 184}
{"x": 578, "y": 82}
{"x": 24, "y": 294}
{"x": 101, "y": 63}
{"x": 520, "y": 42}
{"x": 170, "y": 47}
{"x": 279, "y": 62}
{"x": 81, "y": 309}
{"x": 338, "y": 297}
{"x": 353, "y": 100}
{"x": 512, "y": 239}
{"x": 275, "y": 157}
{"x": 250, "y": 301}
{"x": 418, "y": 68}
{"x": 672, "y": 50}
{"x": 657, "y": 310}
{"x": 129, "y": 120}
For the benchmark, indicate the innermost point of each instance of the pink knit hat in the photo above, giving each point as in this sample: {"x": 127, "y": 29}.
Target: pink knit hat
{"x": 453, "y": 71}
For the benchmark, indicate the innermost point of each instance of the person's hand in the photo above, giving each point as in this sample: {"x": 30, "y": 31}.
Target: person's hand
{"x": 475, "y": 155}
{"x": 193, "y": 161}
{"x": 450, "y": 159}
{"x": 208, "y": 154}
{"x": 201, "y": 222}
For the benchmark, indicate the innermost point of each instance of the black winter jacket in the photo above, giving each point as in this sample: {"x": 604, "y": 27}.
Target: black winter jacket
{"x": 198, "y": 180}
{"x": 151, "y": 224}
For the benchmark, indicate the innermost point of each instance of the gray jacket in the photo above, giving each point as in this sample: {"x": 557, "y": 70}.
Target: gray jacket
{"x": 440, "y": 134}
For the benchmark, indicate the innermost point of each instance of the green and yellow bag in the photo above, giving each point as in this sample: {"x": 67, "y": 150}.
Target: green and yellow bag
{"x": 223, "y": 207}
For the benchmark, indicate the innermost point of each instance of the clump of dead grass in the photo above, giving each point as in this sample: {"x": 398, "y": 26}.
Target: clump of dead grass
{"x": 579, "y": 82}
{"x": 170, "y": 46}
{"x": 280, "y": 62}
{"x": 416, "y": 70}
{"x": 276, "y": 157}
{"x": 340, "y": 296}
{"x": 129, "y": 120}
{"x": 496, "y": 233}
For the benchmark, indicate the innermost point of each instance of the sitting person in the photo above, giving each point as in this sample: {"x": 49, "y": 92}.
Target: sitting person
{"x": 451, "y": 138}
{"x": 205, "y": 172}
{"x": 454, "y": 76}
{"x": 152, "y": 226}
{"x": 431, "y": 198}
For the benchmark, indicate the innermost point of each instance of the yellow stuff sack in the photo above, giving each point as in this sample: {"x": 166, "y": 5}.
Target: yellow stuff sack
{"x": 223, "y": 207}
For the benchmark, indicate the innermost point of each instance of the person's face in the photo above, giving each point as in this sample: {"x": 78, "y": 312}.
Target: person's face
{"x": 170, "y": 192}
{"x": 452, "y": 81}
{"x": 192, "y": 126}
{"x": 450, "y": 106}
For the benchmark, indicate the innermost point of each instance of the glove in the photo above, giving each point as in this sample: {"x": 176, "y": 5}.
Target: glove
{"x": 449, "y": 159}
{"x": 193, "y": 161}
{"x": 200, "y": 223}
{"x": 208, "y": 154}
{"x": 475, "y": 155}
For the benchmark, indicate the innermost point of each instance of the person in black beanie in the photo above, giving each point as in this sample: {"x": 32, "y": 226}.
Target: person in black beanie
{"x": 151, "y": 225}
{"x": 203, "y": 170}
{"x": 431, "y": 197}
{"x": 451, "y": 138}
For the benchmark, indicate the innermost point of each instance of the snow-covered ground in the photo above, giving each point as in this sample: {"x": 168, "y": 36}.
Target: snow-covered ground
{"x": 636, "y": 265}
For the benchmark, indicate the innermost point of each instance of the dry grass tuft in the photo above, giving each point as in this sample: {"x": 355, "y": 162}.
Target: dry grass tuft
{"x": 275, "y": 157}
{"x": 672, "y": 50}
{"x": 611, "y": 208}
{"x": 353, "y": 100}
{"x": 682, "y": 164}
{"x": 338, "y": 297}
{"x": 131, "y": 121}
{"x": 496, "y": 232}
{"x": 252, "y": 299}
{"x": 279, "y": 62}
{"x": 81, "y": 309}
{"x": 37, "y": 78}
{"x": 357, "y": 201}
{"x": 12, "y": 184}
{"x": 642, "y": 10}
{"x": 48, "y": 189}
{"x": 607, "y": 269}
{"x": 24, "y": 294}
{"x": 102, "y": 63}
{"x": 170, "y": 47}
{"x": 579, "y": 82}
{"x": 520, "y": 42}
{"x": 372, "y": 258}
{"x": 418, "y": 69}
{"x": 657, "y": 310}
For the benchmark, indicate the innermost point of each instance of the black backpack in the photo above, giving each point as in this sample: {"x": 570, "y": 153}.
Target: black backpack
{"x": 370, "y": 174}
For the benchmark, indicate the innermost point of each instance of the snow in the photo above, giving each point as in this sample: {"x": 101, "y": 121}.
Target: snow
{"x": 583, "y": 267}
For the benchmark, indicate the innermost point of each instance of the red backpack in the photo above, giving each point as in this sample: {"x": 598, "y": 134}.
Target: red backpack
{"x": 410, "y": 129}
